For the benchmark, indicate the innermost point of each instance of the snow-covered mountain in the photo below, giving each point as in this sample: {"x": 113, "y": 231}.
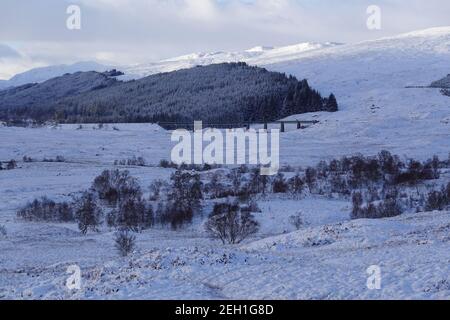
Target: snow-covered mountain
{"x": 38, "y": 75}
{"x": 255, "y": 56}
{"x": 376, "y": 84}
{"x": 420, "y": 41}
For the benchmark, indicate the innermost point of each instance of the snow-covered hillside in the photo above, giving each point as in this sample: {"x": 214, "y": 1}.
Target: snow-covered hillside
{"x": 255, "y": 56}
{"x": 371, "y": 81}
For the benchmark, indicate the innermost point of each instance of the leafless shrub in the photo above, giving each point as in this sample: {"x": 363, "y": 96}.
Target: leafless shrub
{"x": 158, "y": 189}
{"x": 279, "y": 184}
{"x": 389, "y": 207}
{"x": 134, "y": 161}
{"x": 12, "y": 164}
{"x": 27, "y": 159}
{"x": 125, "y": 242}
{"x": 167, "y": 164}
{"x": 229, "y": 223}
{"x": 438, "y": 200}
{"x": 296, "y": 185}
{"x": 214, "y": 187}
{"x": 46, "y": 210}
{"x": 114, "y": 186}
{"x": 3, "y": 232}
{"x": 297, "y": 220}
{"x": 57, "y": 159}
{"x": 132, "y": 214}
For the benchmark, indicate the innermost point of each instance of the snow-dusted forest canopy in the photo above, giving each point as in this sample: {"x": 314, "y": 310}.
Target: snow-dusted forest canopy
{"x": 228, "y": 92}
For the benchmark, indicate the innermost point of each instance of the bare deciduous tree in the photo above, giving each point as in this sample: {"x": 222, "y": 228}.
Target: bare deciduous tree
{"x": 125, "y": 242}
{"x": 297, "y": 220}
{"x": 3, "y": 232}
{"x": 88, "y": 213}
{"x": 229, "y": 223}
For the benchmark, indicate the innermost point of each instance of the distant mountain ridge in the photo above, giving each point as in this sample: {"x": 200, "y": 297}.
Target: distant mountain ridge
{"x": 260, "y": 56}
{"x": 255, "y": 56}
{"x": 38, "y": 75}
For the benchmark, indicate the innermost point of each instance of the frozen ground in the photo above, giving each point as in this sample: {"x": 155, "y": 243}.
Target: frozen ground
{"x": 318, "y": 262}
{"x": 327, "y": 259}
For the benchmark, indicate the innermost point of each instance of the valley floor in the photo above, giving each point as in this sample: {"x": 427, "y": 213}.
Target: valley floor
{"x": 327, "y": 259}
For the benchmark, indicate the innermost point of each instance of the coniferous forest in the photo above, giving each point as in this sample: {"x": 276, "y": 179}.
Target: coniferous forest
{"x": 221, "y": 93}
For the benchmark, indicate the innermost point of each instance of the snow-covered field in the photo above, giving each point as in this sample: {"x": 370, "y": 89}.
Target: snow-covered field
{"x": 327, "y": 259}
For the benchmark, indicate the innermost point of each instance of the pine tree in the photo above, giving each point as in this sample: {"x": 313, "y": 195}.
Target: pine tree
{"x": 331, "y": 104}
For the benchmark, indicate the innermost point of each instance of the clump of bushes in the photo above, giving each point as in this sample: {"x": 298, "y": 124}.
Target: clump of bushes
{"x": 125, "y": 242}
{"x": 132, "y": 214}
{"x": 438, "y": 200}
{"x": 168, "y": 164}
{"x": 417, "y": 171}
{"x": 391, "y": 202}
{"x": 114, "y": 186}
{"x": 279, "y": 184}
{"x": 215, "y": 187}
{"x": 386, "y": 208}
{"x": 134, "y": 161}
{"x": 10, "y": 165}
{"x": 176, "y": 214}
{"x": 183, "y": 199}
{"x": 46, "y": 210}
{"x": 3, "y": 232}
{"x": 158, "y": 189}
{"x": 187, "y": 167}
{"x": 27, "y": 159}
{"x": 349, "y": 173}
{"x": 296, "y": 185}
{"x": 115, "y": 198}
{"x": 122, "y": 192}
{"x": 57, "y": 159}
{"x": 230, "y": 224}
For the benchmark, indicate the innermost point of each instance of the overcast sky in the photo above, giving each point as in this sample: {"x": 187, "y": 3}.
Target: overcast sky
{"x": 34, "y": 33}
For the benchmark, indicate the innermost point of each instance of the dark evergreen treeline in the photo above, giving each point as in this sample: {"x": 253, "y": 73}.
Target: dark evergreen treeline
{"x": 221, "y": 93}
{"x": 443, "y": 83}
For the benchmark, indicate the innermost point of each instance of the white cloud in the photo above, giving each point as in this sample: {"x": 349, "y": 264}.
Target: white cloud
{"x": 11, "y": 66}
{"x": 11, "y": 62}
{"x": 8, "y": 52}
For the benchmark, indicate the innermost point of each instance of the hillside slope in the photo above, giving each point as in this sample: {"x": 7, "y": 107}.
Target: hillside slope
{"x": 377, "y": 109}
{"x": 257, "y": 56}
{"x": 39, "y": 94}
